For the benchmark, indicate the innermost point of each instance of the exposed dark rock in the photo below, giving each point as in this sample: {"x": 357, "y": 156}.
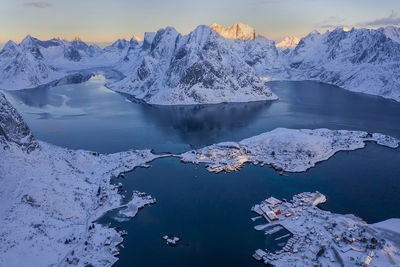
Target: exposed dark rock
{"x": 13, "y": 129}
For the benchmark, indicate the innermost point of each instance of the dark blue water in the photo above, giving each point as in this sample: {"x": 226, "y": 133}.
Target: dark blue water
{"x": 212, "y": 212}
{"x": 89, "y": 116}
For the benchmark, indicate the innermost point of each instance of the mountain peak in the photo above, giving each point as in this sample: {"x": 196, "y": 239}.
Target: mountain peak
{"x": 393, "y": 33}
{"x": 236, "y": 31}
{"x": 120, "y": 44}
{"x": 314, "y": 32}
{"x": 137, "y": 38}
{"x": 77, "y": 38}
{"x": 288, "y": 42}
{"x": 28, "y": 37}
{"x": 10, "y": 45}
{"x": 28, "y": 41}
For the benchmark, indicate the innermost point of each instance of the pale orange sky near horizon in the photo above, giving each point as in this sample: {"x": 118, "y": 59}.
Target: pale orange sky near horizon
{"x": 106, "y": 20}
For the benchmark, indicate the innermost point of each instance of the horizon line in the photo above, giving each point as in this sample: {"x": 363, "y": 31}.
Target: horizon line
{"x": 4, "y": 41}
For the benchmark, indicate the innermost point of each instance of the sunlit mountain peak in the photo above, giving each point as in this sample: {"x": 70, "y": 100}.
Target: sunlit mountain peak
{"x": 236, "y": 31}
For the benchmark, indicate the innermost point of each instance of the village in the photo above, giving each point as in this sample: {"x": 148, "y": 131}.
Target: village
{"x": 318, "y": 237}
{"x": 285, "y": 150}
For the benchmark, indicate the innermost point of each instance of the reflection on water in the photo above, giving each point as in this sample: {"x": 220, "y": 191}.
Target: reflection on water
{"x": 42, "y": 95}
{"x": 200, "y": 125}
{"x": 212, "y": 212}
{"x": 90, "y": 116}
{"x": 87, "y": 115}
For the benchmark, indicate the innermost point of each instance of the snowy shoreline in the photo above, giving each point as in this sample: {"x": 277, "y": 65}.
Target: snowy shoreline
{"x": 322, "y": 238}
{"x": 52, "y": 196}
{"x": 283, "y": 149}
{"x": 63, "y": 193}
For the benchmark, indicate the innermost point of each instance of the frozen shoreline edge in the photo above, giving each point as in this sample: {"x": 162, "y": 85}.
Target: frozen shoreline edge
{"x": 286, "y": 150}
{"x": 320, "y": 237}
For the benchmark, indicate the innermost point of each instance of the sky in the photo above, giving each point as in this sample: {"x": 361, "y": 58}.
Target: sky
{"x": 108, "y": 20}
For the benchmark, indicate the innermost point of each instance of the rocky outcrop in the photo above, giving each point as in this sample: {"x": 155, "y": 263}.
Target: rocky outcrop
{"x": 13, "y": 129}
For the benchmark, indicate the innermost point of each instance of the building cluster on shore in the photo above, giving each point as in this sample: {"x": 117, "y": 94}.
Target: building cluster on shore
{"x": 318, "y": 237}
{"x": 285, "y": 150}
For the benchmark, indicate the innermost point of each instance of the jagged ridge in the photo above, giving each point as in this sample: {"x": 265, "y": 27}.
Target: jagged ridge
{"x": 13, "y": 129}
{"x": 204, "y": 67}
{"x": 197, "y": 68}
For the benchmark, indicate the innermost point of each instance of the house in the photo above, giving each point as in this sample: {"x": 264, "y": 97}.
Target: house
{"x": 271, "y": 215}
{"x": 277, "y": 212}
{"x": 273, "y": 201}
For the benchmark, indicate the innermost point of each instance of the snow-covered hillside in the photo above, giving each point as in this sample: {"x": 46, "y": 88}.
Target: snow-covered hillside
{"x": 34, "y": 62}
{"x": 289, "y": 150}
{"x": 50, "y": 197}
{"x": 204, "y": 67}
{"x": 261, "y": 54}
{"x": 288, "y": 42}
{"x": 200, "y": 67}
{"x": 22, "y": 67}
{"x": 392, "y": 33}
{"x": 359, "y": 60}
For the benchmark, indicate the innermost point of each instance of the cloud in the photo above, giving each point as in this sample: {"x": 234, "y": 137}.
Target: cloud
{"x": 332, "y": 22}
{"x": 392, "y": 19}
{"x": 335, "y": 22}
{"x": 38, "y": 4}
{"x": 330, "y": 26}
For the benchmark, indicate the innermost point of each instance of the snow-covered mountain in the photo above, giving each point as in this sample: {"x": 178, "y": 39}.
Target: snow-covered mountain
{"x": 77, "y": 55}
{"x": 137, "y": 38}
{"x": 392, "y": 33}
{"x": 360, "y": 60}
{"x": 200, "y": 67}
{"x": 117, "y": 46}
{"x": 34, "y": 62}
{"x": 132, "y": 54}
{"x": 22, "y": 66}
{"x": 288, "y": 42}
{"x": 262, "y": 55}
{"x": 51, "y": 197}
{"x": 214, "y": 64}
{"x": 236, "y": 31}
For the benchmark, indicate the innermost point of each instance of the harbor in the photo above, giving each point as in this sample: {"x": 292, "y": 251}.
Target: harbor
{"x": 318, "y": 237}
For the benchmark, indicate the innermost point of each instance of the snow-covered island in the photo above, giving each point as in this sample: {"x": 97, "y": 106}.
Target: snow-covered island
{"x": 322, "y": 238}
{"x": 138, "y": 201}
{"x": 171, "y": 240}
{"x": 289, "y": 150}
{"x": 51, "y": 196}
{"x": 213, "y": 64}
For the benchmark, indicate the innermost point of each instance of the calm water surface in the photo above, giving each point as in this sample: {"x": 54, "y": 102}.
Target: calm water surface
{"x": 212, "y": 212}
{"x": 90, "y": 116}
